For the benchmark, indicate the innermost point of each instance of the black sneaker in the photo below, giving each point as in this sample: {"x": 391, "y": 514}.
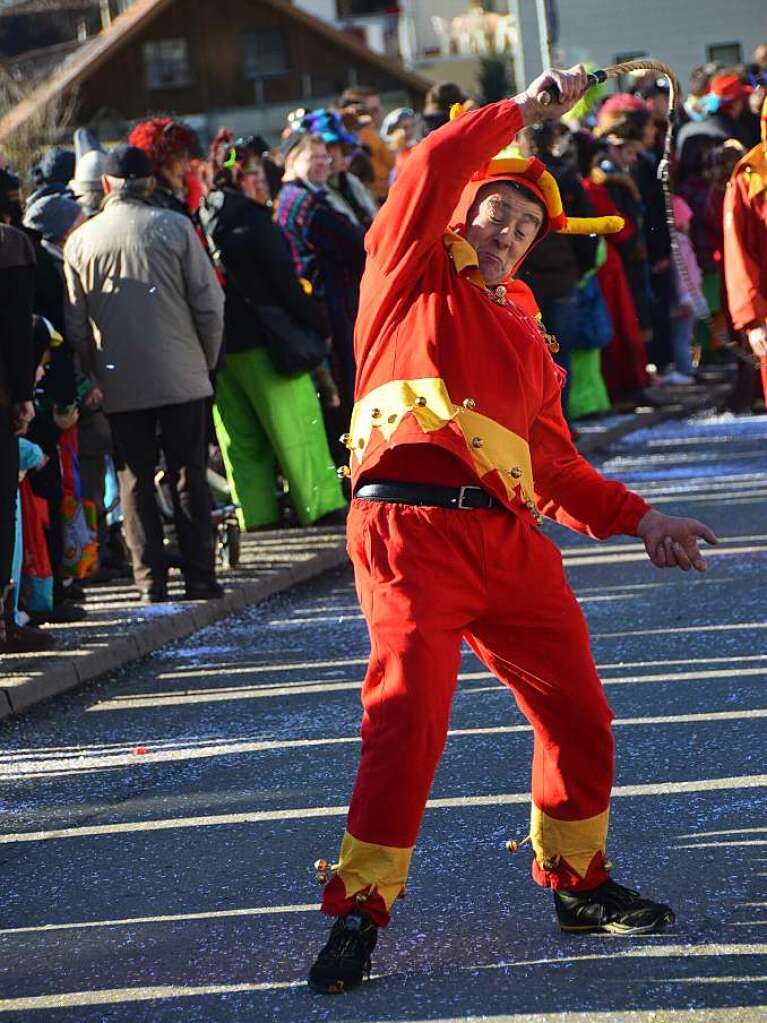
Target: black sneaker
{"x": 345, "y": 959}
{"x": 610, "y": 909}
{"x": 204, "y": 591}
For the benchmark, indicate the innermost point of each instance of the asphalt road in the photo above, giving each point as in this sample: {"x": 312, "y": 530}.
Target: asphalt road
{"x": 158, "y": 828}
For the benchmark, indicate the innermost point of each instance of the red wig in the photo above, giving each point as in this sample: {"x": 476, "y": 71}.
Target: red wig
{"x": 163, "y": 138}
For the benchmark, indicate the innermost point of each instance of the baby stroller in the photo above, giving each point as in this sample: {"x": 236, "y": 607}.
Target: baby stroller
{"x": 223, "y": 515}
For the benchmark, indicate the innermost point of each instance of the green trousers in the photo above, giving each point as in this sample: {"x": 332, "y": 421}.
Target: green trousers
{"x": 588, "y": 393}
{"x": 262, "y": 418}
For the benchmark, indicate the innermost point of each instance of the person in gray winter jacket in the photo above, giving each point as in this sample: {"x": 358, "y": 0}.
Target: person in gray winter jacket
{"x": 145, "y": 313}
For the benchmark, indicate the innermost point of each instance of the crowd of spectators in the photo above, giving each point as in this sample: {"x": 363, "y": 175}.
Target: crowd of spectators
{"x": 166, "y": 307}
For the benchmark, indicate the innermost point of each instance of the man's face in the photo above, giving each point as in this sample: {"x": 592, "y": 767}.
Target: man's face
{"x": 253, "y": 182}
{"x": 734, "y": 109}
{"x": 313, "y": 164}
{"x": 375, "y": 109}
{"x": 337, "y": 155}
{"x": 649, "y": 134}
{"x": 175, "y": 170}
{"x": 626, "y": 155}
{"x": 760, "y": 55}
{"x": 12, "y": 208}
{"x": 501, "y": 226}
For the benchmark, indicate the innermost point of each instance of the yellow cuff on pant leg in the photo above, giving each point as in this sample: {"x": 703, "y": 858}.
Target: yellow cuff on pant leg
{"x": 365, "y": 866}
{"x": 577, "y": 842}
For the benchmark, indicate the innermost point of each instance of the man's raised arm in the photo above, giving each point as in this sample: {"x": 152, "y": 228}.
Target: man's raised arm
{"x": 418, "y": 210}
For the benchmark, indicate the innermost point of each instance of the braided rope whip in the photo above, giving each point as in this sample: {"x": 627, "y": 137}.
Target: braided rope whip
{"x": 664, "y": 174}
{"x": 550, "y": 95}
{"x": 664, "y": 167}
{"x": 665, "y": 164}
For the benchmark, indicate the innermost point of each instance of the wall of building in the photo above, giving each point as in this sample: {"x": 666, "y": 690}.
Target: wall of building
{"x": 675, "y": 31}
{"x": 318, "y": 70}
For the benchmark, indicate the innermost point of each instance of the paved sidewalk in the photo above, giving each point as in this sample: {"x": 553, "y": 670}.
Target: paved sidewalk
{"x": 118, "y": 630}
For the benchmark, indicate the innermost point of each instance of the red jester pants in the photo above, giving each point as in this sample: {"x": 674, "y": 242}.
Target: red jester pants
{"x": 426, "y": 578}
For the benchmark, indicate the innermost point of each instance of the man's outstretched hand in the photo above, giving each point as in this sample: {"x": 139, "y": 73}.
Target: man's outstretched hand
{"x": 672, "y": 542}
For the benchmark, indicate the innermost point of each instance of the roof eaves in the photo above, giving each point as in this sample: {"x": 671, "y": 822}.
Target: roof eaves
{"x": 99, "y": 49}
{"x": 89, "y": 58}
{"x": 415, "y": 81}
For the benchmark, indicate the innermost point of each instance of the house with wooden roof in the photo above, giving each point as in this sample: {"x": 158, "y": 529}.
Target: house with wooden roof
{"x": 240, "y": 63}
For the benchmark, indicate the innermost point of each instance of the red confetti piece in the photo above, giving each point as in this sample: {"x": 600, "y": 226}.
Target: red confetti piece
{"x": 140, "y": 751}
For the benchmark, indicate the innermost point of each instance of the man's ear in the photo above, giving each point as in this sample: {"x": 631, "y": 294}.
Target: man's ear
{"x": 105, "y": 184}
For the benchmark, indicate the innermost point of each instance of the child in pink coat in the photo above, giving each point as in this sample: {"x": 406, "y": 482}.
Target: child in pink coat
{"x": 690, "y": 305}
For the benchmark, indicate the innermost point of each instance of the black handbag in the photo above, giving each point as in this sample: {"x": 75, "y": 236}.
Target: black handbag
{"x": 292, "y": 348}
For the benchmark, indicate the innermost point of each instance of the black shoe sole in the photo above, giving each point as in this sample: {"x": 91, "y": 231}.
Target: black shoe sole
{"x": 624, "y": 930}
{"x": 338, "y": 987}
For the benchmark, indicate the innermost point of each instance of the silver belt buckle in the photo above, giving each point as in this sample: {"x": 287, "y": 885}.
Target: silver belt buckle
{"x": 461, "y": 495}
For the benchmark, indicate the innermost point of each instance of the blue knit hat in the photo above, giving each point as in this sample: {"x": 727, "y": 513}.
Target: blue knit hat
{"x": 329, "y": 126}
{"x": 52, "y": 216}
{"x": 58, "y": 165}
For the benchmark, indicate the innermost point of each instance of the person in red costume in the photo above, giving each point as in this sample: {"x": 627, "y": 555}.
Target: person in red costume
{"x": 459, "y": 448}
{"x": 745, "y": 248}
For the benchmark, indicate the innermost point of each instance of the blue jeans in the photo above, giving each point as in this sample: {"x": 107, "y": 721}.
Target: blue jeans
{"x": 560, "y": 317}
{"x": 681, "y": 343}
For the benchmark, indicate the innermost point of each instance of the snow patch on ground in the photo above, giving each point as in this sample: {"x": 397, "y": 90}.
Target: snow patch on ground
{"x": 737, "y": 427}
{"x": 193, "y": 652}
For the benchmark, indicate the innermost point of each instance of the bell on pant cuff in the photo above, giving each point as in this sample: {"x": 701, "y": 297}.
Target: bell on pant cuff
{"x": 335, "y": 902}
{"x": 560, "y": 875}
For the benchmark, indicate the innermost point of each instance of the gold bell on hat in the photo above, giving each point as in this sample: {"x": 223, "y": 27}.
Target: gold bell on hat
{"x": 515, "y": 472}
{"x": 476, "y": 442}
{"x": 346, "y": 440}
{"x": 469, "y": 403}
{"x": 420, "y": 402}
{"x": 343, "y": 472}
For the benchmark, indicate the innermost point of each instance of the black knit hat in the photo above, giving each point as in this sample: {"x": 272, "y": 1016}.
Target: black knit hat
{"x": 127, "y": 162}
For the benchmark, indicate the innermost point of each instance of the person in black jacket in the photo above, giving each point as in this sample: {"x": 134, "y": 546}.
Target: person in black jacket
{"x": 554, "y": 268}
{"x": 261, "y": 417}
{"x": 17, "y": 368}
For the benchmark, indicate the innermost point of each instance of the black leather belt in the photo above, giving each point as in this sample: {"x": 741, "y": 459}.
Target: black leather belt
{"x": 426, "y": 496}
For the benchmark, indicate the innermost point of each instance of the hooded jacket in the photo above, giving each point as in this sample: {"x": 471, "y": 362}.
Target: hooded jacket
{"x": 145, "y": 309}
{"x": 441, "y": 361}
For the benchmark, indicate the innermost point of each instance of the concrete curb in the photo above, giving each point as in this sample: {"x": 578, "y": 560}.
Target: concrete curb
{"x": 147, "y": 637}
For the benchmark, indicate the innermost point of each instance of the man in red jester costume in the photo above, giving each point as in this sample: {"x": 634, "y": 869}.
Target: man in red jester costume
{"x": 459, "y": 448}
